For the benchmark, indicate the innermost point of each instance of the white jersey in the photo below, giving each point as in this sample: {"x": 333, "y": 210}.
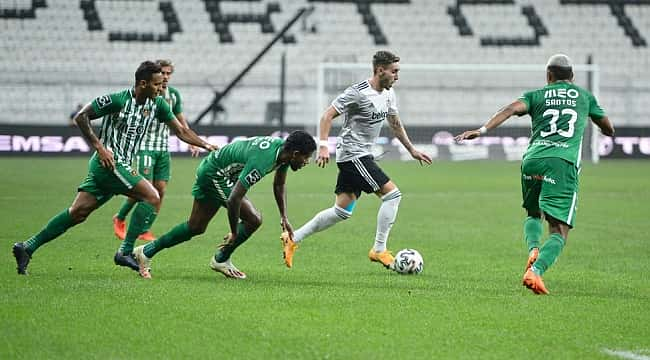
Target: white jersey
{"x": 365, "y": 110}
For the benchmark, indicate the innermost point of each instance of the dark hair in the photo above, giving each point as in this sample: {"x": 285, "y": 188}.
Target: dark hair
{"x": 301, "y": 142}
{"x": 146, "y": 70}
{"x": 561, "y": 72}
{"x": 383, "y": 58}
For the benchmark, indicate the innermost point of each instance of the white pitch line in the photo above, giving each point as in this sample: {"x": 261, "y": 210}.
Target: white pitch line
{"x": 626, "y": 354}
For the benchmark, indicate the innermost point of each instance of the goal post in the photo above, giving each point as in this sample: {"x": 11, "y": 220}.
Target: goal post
{"x": 454, "y": 96}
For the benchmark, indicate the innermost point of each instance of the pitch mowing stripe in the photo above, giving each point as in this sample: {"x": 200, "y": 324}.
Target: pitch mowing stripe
{"x": 624, "y": 354}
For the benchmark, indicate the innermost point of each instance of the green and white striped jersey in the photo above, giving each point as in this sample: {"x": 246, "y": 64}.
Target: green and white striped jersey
{"x": 157, "y": 136}
{"x": 125, "y": 121}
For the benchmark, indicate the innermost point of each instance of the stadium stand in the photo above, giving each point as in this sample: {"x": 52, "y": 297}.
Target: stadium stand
{"x": 57, "y": 53}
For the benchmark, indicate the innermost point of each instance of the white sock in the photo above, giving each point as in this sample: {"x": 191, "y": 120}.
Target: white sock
{"x": 321, "y": 221}
{"x": 386, "y": 217}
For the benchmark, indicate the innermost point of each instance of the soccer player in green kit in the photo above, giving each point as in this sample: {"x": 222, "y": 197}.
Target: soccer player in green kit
{"x": 222, "y": 180}
{"x": 126, "y": 116}
{"x": 550, "y": 166}
{"x": 153, "y": 160}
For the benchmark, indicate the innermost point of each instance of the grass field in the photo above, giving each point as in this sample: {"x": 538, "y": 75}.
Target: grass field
{"x": 465, "y": 218}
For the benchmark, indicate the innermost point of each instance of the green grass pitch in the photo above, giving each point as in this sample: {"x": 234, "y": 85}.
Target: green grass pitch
{"x": 465, "y": 218}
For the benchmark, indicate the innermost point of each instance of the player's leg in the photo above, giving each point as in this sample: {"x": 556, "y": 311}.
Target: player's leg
{"x": 143, "y": 163}
{"x": 82, "y": 206}
{"x": 250, "y": 221}
{"x": 119, "y": 219}
{"x": 160, "y": 171}
{"x": 530, "y": 191}
{"x": 390, "y": 198}
{"x": 558, "y": 198}
{"x": 202, "y": 212}
{"x": 342, "y": 210}
{"x": 144, "y": 213}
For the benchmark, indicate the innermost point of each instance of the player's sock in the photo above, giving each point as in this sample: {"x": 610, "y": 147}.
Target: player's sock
{"x": 533, "y": 232}
{"x": 55, "y": 227}
{"x": 143, "y": 216}
{"x": 321, "y": 221}
{"x": 125, "y": 209}
{"x": 175, "y": 236}
{"x": 386, "y": 217}
{"x": 226, "y": 250}
{"x": 549, "y": 253}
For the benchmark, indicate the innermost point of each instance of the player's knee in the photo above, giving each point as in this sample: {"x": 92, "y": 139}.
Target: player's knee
{"x": 394, "y": 195}
{"x": 79, "y": 214}
{"x": 196, "y": 229}
{"x": 254, "y": 222}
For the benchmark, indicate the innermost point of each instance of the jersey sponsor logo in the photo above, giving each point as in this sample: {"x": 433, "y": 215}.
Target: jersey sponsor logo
{"x": 103, "y": 101}
{"x": 253, "y": 177}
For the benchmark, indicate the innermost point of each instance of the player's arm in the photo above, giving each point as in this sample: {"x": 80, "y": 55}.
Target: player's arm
{"x": 237, "y": 194}
{"x": 280, "y": 193}
{"x": 183, "y": 121}
{"x": 605, "y": 125}
{"x": 188, "y": 135}
{"x": 82, "y": 119}
{"x": 325, "y": 126}
{"x": 517, "y": 107}
{"x": 400, "y": 133}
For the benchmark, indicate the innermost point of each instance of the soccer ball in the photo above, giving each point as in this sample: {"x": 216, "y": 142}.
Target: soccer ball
{"x": 408, "y": 261}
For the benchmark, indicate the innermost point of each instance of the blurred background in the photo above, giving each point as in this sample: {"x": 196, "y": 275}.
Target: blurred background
{"x": 461, "y": 61}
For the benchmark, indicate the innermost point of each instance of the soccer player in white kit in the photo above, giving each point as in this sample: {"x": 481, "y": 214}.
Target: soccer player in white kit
{"x": 365, "y": 106}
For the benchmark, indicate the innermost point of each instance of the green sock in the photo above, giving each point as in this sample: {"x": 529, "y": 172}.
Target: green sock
{"x": 143, "y": 215}
{"x": 225, "y": 251}
{"x": 549, "y": 253}
{"x": 532, "y": 232}
{"x": 55, "y": 227}
{"x": 175, "y": 236}
{"x": 125, "y": 209}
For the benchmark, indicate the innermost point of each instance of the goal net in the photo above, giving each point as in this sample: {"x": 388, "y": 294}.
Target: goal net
{"x": 437, "y": 101}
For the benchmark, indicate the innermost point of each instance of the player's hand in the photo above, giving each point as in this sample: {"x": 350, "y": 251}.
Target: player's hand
{"x": 286, "y": 226}
{"x": 106, "y": 158}
{"x": 194, "y": 150}
{"x": 209, "y": 147}
{"x": 420, "y": 156}
{"x": 323, "y": 156}
{"x": 467, "y": 135}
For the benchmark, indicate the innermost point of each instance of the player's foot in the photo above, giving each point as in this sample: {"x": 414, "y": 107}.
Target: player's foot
{"x": 384, "y": 257}
{"x": 144, "y": 263}
{"x": 22, "y": 258}
{"x": 532, "y": 256}
{"x": 227, "y": 269}
{"x": 534, "y": 282}
{"x": 147, "y": 236}
{"x": 288, "y": 248}
{"x": 127, "y": 260}
{"x": 119, "y": 227}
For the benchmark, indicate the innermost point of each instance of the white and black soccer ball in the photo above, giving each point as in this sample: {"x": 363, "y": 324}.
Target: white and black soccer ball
{"x": 408, "y": 261}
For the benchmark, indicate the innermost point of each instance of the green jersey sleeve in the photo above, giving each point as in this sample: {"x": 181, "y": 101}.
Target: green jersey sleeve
{"x": 108, "y": 104}
{"x": 526, "y": 98}
{"x": 177, "y": 102}
{"x": 595, "y": 111}
{"x": 163, "y": 111}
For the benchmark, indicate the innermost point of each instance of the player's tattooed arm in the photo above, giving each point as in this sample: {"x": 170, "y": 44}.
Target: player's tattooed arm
{"x": 397, "y": 128}
{"x": 82, "y": 119}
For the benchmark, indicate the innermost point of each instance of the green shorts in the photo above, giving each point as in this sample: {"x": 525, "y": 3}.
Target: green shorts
{"x": 104, "y": 183}
{"x": 153, "y": 165}
{"x": 550, "y": 185}
{"x": 209, "y": 186}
